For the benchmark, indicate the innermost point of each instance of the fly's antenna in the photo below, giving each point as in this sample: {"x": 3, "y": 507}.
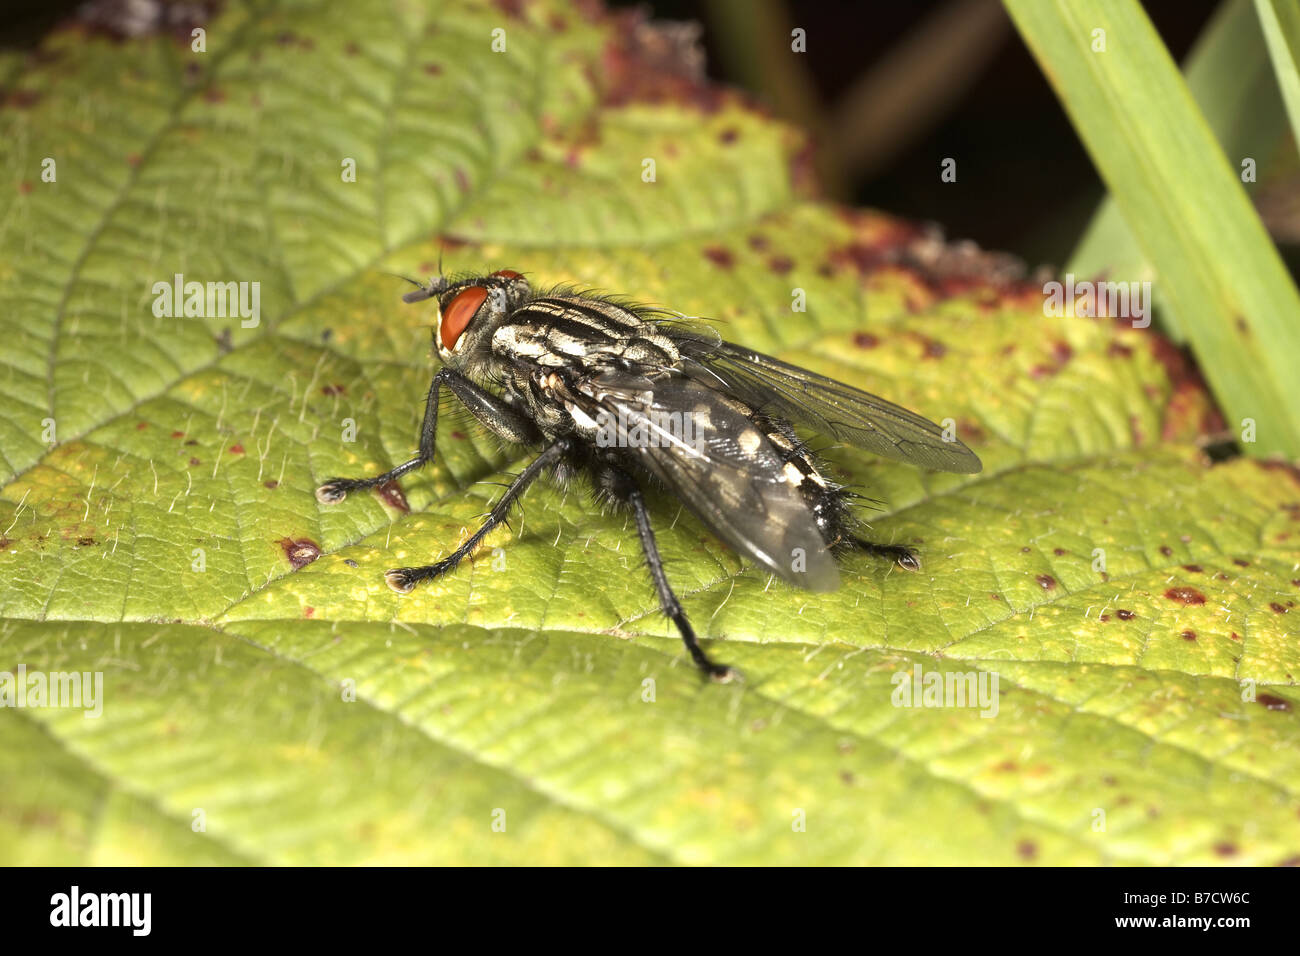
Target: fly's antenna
{"x": 398, "y": 275}
{"x": 422, "y": 291}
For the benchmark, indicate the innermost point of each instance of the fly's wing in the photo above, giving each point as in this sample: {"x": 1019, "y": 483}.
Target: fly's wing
{"x": 720, "y": 465}
{"x": 830, "y": 407}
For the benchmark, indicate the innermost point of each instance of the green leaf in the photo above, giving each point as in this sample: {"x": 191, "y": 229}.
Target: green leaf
{"x": 1217, "y": 268}
{"x": 267, "y": 699}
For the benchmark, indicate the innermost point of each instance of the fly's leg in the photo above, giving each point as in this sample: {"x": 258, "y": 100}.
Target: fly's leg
{"x": 906, "y": 558}
{"x": 626, "y": 489}
{"x": 487, "y": 408}
{"x": 403, "y": 580}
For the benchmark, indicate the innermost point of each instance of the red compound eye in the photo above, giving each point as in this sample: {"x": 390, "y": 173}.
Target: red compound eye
{"x": 507, "y": 274}
{"x": 459, "y": 312}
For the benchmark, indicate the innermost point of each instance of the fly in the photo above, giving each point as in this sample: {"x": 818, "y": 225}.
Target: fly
{"x": 630, "y": 397}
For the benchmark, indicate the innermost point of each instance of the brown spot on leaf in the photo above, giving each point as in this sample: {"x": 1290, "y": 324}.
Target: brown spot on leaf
{"x": 1277, "y": 608}
{"x": 865, "y": 340}
{"x": 1027, "y": 850}
{"x": 390, "y": 492}
{"x": 514, "y": 9}
{"x": 720, "y": 256}
{"x": 333, "y": 389}
{"x": 301, "y": 552}
{"x": 934, "y": 349}
{"x": 1046, "y": 582}
{"x": 1189, "y": 635}
{"x": 271, "y": 484}
{"x": 236, "y": 449}
{"x": 1124, "y": 615}
{"x": 1273, "y": 703}
{"x": 21, "y": 99}
{"x": 1194, "y": 568}
{"x": 1184, "y": 595}
{"x": 780, "y": 264}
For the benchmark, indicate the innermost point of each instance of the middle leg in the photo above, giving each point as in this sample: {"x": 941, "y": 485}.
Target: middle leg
{"x": 403, "y": 580}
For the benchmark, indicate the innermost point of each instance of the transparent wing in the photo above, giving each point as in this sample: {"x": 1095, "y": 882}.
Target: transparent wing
{"x": 722, "y": 468}
{"x": 830, "y": 407}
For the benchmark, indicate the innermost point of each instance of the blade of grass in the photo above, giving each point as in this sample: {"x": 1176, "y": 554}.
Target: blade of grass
{"x": 1280, "y": 21}
{"x": 1228, "y": 74}
{"x": 1216, "y": 265}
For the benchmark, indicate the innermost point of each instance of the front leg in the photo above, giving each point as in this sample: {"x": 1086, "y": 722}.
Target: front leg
{"x": 493, "y": 412}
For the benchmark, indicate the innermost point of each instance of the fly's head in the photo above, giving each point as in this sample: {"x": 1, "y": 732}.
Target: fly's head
{"x": 470, "y": 309}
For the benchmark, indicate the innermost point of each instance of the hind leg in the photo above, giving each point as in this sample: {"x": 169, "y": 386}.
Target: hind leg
{"x": 903, "y": 556}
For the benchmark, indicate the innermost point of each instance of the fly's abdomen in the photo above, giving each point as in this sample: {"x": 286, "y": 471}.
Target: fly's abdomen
{"x": 826, "y": 499}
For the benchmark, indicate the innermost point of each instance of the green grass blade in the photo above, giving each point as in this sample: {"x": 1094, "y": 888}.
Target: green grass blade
{"x": 1215, "y": 263}
{"x": 1229, "y": 75}
{"x": 1280, "y": 22}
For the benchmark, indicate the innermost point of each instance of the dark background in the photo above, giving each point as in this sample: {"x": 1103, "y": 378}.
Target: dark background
{"x": 1025, "y": 184}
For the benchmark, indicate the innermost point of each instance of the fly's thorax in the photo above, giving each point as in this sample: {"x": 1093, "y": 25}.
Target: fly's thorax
{"x": 580, "y": 332}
